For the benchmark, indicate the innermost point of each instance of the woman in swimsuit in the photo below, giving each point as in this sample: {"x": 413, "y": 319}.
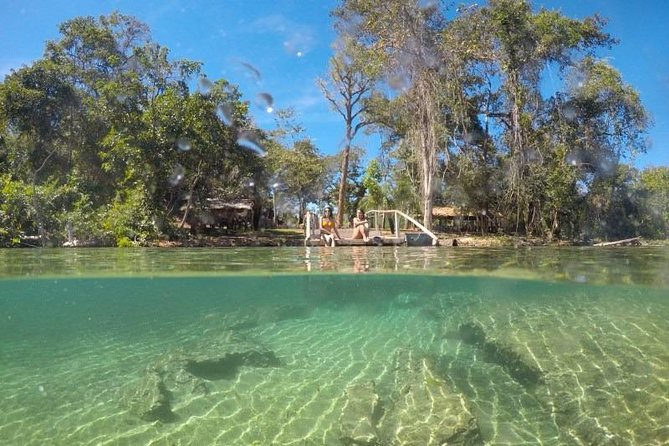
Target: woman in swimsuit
{"x": 360, "y": 226}
{"x": 329, "y": 231}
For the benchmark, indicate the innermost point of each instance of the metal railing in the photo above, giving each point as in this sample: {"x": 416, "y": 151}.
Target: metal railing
{"x": 377, "y": 214}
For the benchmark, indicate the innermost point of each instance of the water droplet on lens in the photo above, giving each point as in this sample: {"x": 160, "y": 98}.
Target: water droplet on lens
{"x": 398, "y": 82}
{"x": 207, "y": 218}
{"x": 205, "y": 85}
{"x": 431, "y": 4}
{"x": 132, "y": 64}
{"x": 183, "y": 144}
{"x": 248, "y": 139}
{"x": 569, "y": 112}
{"x": 224, "y": 113}
{"x": 606, "y": 167}
{"x": 533, "y": 156}
{"x": 573, "y": 158}
{"x": 298, "y": 43}
{"x": 177, "y": 175}
{"x": 265, "y": 101}
{"x": 252, "y": 71}
{"x": 473, "y": 136}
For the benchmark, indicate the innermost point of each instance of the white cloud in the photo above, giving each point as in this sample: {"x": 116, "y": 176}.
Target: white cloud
{"x": 273, "y": 23}
{"x": 296, "y": 38}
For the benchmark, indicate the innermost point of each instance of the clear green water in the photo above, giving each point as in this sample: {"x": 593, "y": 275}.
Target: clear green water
{"x": 295, "y": 346}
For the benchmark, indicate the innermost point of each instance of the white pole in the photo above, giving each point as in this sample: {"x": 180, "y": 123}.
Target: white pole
{"x": 274, "y": 186}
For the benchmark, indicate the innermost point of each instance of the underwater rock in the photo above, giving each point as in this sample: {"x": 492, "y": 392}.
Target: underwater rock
{"x": 407, "y": 300}
{"x": 216, "y": 358}
{"x": 415, "y": 408}
{"x": 525, "y": 374}
{"x": 178, "y": 375}
{"x": 221, "y": 358}
{"x": 149, "y": 399}
{"x": 357, "y": 419}
{"x": 423, "y": 410}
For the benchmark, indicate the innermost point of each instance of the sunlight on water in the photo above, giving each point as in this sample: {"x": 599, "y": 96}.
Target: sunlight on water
{"x": 270, "y": 346}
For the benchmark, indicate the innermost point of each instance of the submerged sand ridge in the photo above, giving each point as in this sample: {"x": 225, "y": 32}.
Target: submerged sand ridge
{"x": 500, "y": 362}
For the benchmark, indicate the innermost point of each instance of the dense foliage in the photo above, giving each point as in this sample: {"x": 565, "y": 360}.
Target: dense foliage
{"x": 106, "y": 140}
{"x": 497, "y": 110}
{"x": 500, "y": 110}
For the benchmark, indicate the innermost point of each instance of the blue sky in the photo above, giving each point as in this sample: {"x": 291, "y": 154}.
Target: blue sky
{"x": 289, "y": 43}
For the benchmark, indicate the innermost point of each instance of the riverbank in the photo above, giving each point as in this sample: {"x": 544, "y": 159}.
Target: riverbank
{"x": 293, "y": 237}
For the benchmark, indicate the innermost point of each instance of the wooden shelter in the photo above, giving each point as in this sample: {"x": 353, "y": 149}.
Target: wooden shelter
{"x": 454, "y": 219}
{"x": 217, "y": 213}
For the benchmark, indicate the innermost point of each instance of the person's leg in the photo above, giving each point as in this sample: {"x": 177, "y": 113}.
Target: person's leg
{"x": 365, "y": 233}
{"x": 357, "y": 232}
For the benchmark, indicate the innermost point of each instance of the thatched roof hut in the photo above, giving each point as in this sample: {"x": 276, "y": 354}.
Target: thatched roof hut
{"x": 450, "y": 211}
{"x": 223, "y": 214}
{"x": 462, "y": 219}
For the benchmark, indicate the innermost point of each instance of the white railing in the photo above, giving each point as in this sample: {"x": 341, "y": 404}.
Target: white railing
{"x": 310, "y": 220}
{"x": 376, "y": 213}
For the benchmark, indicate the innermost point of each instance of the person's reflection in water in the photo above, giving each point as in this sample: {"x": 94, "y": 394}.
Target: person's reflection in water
{"x": 360, "y": 261}
{"x": 325, "y": 259}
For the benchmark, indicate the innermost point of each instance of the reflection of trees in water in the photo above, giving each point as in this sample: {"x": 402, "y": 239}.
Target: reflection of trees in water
{"x": 633, "y": 265}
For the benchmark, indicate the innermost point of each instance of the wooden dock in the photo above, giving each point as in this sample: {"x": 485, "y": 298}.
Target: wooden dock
{"x": 378, "y": 235}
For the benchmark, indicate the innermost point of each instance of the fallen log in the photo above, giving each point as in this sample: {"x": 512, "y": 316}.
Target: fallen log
{"x": 628, "y": 241}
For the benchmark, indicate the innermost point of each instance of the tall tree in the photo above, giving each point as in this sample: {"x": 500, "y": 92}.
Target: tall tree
{"x": 403, "y": 38}
{"x": 348, "y": 86}
{"x": 299, "y": 171}
{"x": 513, "y": 46}
{"x": 107, "y": 131}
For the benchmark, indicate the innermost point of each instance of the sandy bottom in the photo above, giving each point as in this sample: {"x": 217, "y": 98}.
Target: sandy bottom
{"x": 584, "y": 367}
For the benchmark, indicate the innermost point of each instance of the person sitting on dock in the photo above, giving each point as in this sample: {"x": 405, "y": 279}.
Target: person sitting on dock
{"x": 360, "y": 226}
{"x": 329, "y": 231}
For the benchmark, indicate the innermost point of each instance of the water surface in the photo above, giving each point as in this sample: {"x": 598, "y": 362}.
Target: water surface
{"x": 389, "y": 346}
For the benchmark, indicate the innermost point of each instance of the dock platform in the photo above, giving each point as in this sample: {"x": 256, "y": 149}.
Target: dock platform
{"x": 416, "y": 235}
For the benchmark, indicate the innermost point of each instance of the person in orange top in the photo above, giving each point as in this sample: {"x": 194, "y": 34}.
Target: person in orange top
{"x": 329, "y": 231}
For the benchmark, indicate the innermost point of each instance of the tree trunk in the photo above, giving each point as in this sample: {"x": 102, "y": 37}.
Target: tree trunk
{"x": 344, "y": 178}
{"x": 426, "y": 138}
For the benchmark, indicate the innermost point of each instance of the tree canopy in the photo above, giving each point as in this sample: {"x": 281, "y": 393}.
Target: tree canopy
{"x": 497, "y": 110}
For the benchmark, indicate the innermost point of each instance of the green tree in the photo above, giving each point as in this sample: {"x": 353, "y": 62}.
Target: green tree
{"x": 654, "y": 190}
{"x": 347, "y": 89}
{"x": 107, "y": 134}
{"x": 299, "y": 171}
{"x": 403, "y": 38}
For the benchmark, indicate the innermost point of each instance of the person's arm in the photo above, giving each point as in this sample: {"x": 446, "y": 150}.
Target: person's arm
{"x": 334, "y": 229}
{"x": 358, "y": 222}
